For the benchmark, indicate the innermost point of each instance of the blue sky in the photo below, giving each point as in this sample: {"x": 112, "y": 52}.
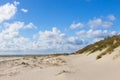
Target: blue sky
{"x": 55, "y": 26}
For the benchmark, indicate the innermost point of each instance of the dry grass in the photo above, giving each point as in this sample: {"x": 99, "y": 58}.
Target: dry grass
{"x": 110, "y": 43}
{"x": 63, "y": 71}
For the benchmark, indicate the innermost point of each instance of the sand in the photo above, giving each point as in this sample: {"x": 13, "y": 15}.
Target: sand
{"x": 64, "y": 67}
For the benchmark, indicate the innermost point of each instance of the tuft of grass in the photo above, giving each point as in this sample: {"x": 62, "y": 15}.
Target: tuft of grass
{"x": 24, "y": 63}
{"x": 63, "y": 71}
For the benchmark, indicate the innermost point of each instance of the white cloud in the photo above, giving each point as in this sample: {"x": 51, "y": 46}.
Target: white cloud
{"x": 107, "y": 24}
{"x": 92, "y": 36}
{"x": 76, "y": 25}
{"x": 95, "y": 23}
{"x": 30, "y": 26}
{"x": 50, "y": 38}
{"x": 48, "y": 41}
{"x": 24, "y": 10}
{"x": 95, "y": 33}
{"x": 16, "y": 3}
{"x": 11, "y": 30}
{"x": 11, "y": 39}
{"x": 111, "y": 17}
{"x": 53, "y": 41}
{"x": 98, "y": 22}
{"x": 56, "y": 41}
{"x": 75, "y": 40}
{"x": 7, "y": 11}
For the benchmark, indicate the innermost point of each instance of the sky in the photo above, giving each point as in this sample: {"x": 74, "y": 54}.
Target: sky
{"x": 55, "y": 26}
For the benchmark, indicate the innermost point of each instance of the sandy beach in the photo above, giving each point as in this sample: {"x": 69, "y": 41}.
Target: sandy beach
{"x": 64, "y": 67}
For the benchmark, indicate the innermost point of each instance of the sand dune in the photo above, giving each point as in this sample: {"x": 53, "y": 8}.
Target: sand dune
{"x": 71, "y": 67}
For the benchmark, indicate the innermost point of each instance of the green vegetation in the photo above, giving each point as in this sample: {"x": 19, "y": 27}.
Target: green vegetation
{"x": 110, "y": 43}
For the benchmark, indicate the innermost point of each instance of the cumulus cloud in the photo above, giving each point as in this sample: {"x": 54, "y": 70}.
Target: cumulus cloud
{"x": 98, "y": 22}
{"x": 30, "y": 26}
{"x": 107, "y": 24}
{"x": 76, "y": 25}
{"x": 48, "y": 41}
{"x": 95, "y": 33}
{"x": 11, "y": 39}
{"x": 75, "y": 41}
{"x": 24, "y": 10}
{"x": 57, "y": 41}
{"x": 16, "y": 3}
{"x": 7, "y": 11}
{"x": 111, "y": 17}
{"x": 95, "y": 23}
{"x": 92, "y": 36}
